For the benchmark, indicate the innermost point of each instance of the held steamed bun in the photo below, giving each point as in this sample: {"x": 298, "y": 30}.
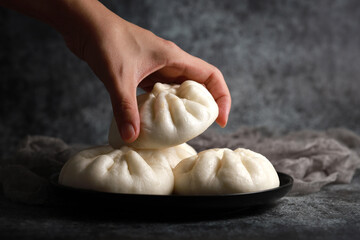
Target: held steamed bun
{"x": 124, "y": 170}
{"x": 170, "y": 115}
{"x": 223, "y": 171}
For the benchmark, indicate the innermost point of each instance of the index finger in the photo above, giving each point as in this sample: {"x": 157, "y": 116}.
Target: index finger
{"x": 202, "y": 72}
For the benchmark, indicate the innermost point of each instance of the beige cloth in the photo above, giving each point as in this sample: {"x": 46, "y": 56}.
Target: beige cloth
{"x": 312, "y": 158}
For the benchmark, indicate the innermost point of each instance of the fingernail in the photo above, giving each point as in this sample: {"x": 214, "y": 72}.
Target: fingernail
{"x": 127, "y": 132}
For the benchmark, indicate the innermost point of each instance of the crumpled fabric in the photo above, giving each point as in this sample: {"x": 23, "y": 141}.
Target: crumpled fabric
{"x": 313, "y": 158}
{"x": 26, "y": 177}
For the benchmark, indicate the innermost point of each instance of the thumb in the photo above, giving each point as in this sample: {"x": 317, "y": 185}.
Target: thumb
{"x": 126, "y": 112}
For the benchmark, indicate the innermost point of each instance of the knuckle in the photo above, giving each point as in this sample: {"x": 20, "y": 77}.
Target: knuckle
{"x": 216, "y": 72}
{"x": 169, "y": 44}
{"x": 123, "y": 107}
{"x": 126, "y": 105}
{"x": 215, "y": 77}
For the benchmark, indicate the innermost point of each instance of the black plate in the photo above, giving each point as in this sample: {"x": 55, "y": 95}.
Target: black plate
{"x": 68, "y": 196}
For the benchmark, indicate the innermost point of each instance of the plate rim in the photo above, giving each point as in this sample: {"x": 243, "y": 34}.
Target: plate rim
{"x": 281, "y": 175}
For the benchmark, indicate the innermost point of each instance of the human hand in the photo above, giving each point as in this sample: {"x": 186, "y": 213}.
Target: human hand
{"x": 125, "y": 56}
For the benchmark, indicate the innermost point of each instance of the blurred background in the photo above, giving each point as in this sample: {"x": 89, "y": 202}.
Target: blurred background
{"x": 289, "y": 64}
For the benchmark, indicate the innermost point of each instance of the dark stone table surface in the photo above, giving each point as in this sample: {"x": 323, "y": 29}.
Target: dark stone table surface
{"x": 289, "y": 65}
{"x": 333, "y": 213}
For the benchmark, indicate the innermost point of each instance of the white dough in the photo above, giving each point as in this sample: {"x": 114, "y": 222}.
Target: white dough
{"x": 170, "y": 115}
{"x": 223, "y": 171}
{"x": 124, "y": 170}
{"x": 175, "y": 154}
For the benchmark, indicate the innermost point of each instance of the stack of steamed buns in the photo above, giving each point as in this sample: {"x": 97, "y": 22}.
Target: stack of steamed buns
{"x": 160, "y": 161}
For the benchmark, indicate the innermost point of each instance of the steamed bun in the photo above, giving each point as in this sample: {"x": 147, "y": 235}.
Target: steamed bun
{"x": 175, "y": 154}
{"x": 170, "y": 115}
{"x": 223, "y": 171}
{"x": 124, "y": 170}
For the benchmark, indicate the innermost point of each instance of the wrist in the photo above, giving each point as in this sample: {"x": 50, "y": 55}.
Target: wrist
{"x": 80, "y": 21}
{"x": 74, "y": 15}
{"x": 63, "y": 15}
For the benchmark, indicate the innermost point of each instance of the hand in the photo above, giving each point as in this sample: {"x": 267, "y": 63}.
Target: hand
{"x": 125, "y": 56}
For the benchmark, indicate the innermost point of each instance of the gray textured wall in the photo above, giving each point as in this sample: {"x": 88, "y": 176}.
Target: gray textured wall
{"x": 289, "y": 64}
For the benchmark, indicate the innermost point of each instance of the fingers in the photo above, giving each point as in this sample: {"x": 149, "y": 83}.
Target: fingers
{"x": 224, "y": 105}
{"x": 198, "y": 70}
{"x": 216, "y": 85}
{"x": 124, "y": 103}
